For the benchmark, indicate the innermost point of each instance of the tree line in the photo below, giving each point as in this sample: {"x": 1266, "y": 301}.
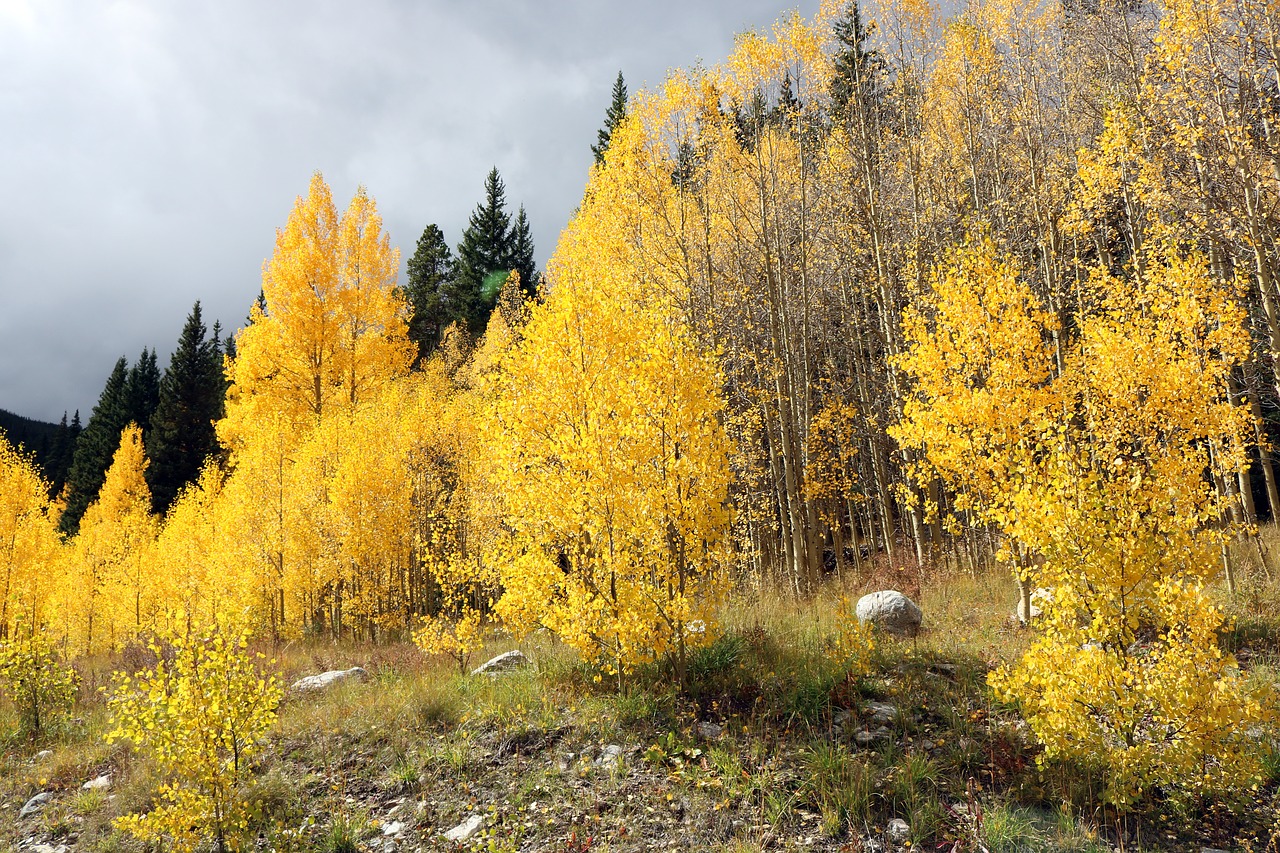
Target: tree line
{"x": 884, "y": 288}
{"x": 187, "y": 398}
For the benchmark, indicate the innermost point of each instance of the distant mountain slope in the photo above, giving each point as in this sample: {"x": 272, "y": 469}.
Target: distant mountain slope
{"x": 34, "y": 435}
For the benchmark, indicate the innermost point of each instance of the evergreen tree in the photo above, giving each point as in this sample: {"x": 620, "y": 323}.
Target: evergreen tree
{"x": 430, "y": 270}
{"x": 612, "y": 118}
{"x": 59, "y": 459}
{"x": 484, "y": 258}
{"x": 191, "y": 398}
{"x": 857, "y": 68}
{"x": 97, "y": 446}
{"x": 522, "y": 254}
{"x": 223, "y": 349}
{"x": 143, "y": 390}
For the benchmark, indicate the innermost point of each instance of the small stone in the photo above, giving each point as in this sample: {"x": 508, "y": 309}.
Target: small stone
{"x": 393, "y": 828}
{"x": 710, "y": 731}
{"x": 610, "y": 757}
{"x": 36, "y": 803}
{"x": 313, "y": 683}
{"x": 891, "y": 612}
{"x": 101, "y": 783}
{"x": 867, "y": 738}
{"x": 389, "y": 845}
{"x": 882, "y": 712}
{"x": 927, "y": 745}
{"x": 46, "y": 848}
{"x": 505, "y": 662}
{"x": 897, "y": 831}
{"x": 465, "y": 830}
{"x": 43, "y": 754}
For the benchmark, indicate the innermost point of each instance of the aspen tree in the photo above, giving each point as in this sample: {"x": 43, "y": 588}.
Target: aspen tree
{"x": 29, "y": 546}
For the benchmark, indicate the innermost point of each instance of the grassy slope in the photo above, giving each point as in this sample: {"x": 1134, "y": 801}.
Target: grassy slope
{"x": 421, "y": 745}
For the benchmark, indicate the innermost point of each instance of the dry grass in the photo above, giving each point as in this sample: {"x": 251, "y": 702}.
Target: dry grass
{"x": 426, "y": 746}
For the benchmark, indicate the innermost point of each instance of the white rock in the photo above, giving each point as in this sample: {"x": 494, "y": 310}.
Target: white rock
{"x": 36, "y": 803}
{"x": 319, "y": 682}
{"x": 505, "y": 662}
{"x": 393, "y": 828}
{"x": 465, "y": 830}
{"x": 43, "y": 754}
{"x": 610, "y": 757}
{"x": 898, "y": 830}
{"x": 45, "y": 848}
{"x": 710, "y": 731}
{"x": 101, "y": 783}
{"x": 890, "y": 611}
{"x": 1039, "y": 597}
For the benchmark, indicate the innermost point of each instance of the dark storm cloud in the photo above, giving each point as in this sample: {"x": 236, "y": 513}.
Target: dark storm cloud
{"x": 148, "y": 151}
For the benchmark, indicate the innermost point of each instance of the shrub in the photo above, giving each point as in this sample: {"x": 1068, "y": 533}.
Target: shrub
{"x": 201, "y": 715}
{"x": 40, "y": 685}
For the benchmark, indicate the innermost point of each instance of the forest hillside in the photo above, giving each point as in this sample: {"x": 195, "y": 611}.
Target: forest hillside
{"x": 881, "y": 462}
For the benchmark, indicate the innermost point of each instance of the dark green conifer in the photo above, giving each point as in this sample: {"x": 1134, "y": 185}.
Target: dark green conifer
{"x": 483, "y": 255}
{"x": 612, "y": 118}
{"x": 143, "y": 390}
{"x": 522, "y": 254}
{"x": 191, "y": 398}
{"x": 855, "y": 88}
{"x": 430, "y": 271}
{"x": 97, "y": 446}
{"x": 59, "y": 459}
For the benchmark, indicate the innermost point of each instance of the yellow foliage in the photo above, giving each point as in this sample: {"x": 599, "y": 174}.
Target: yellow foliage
{"x": 40, "y": 685}
{"x": 201, "y": 715}
{"x": 332, "y": 328}
{"x": 112, "y": 594}
{"x": 610, "y": 463}
{"x": 29, "y": 545}
{"x": 1094, "y": 470}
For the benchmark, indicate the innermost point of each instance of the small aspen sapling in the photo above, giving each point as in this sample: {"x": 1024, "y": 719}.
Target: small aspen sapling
{"x": 41, "y": 686}
{"x": 201, "y": 714}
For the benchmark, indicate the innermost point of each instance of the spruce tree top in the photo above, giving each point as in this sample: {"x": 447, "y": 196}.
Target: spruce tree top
{"x": 612, "y": 118}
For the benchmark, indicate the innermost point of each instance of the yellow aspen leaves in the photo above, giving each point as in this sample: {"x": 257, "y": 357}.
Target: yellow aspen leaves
{"x": 1095, "y": 473}
{"x": 201, "y": 714}
{"x": 331, "y": 328}
{"x": 112, "y": 596}
{"x": 29, "y": 544}
{"x": 611, "y": 467}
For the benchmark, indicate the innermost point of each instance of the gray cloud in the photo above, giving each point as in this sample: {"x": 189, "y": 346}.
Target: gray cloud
{"x": 149, "y": 150}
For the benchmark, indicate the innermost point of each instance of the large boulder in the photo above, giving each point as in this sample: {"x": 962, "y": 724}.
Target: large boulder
{"x": 313, "y": 683}
{"x": 890, "y": 611}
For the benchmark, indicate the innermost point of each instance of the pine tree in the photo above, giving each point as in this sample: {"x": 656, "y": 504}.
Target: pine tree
{"x": 612, "y": 118}
{"x": 430, "y": 270}
{"x": 97, "y": 446}
{"x": 143, "y": 390}
{"x": 522, "y": 254}
{"x": 59, "y": 459}
{"x": 484, "y": 256}
{"x": 857, "y": 67}
{"x": 182, "y": 436}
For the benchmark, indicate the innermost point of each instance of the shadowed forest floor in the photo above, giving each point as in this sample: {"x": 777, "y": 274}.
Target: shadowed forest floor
{"x": 773, "y": 746}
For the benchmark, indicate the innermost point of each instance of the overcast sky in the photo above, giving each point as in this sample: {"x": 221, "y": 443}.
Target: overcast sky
{"x": 149, "y": 150}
